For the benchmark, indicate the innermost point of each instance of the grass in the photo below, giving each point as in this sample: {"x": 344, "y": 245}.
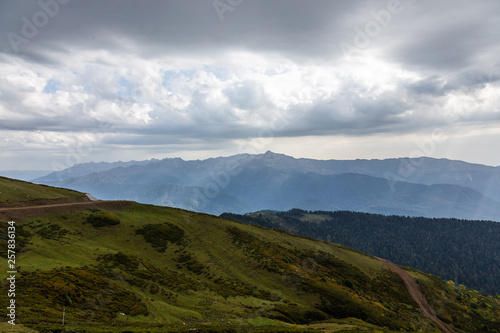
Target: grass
{"x": 314, "y": 218}
{"x": 18, "y": 191}
{"x": 18, "y": 328}
{"x": 184, "y": 270}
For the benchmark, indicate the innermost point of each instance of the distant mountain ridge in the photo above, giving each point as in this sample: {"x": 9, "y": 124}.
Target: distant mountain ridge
{"x": 83, "y": 169}
{"x": 242, "y": 183}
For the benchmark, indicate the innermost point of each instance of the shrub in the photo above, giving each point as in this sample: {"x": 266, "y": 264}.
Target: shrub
{"x": 159, "y": 235}
{"x": 102, "y": 219}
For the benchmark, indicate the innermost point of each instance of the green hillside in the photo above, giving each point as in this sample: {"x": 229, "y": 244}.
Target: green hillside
{"x": 467, "y": 252}
{"x": 13, "y": 191}
{"x": 122, "y": 266}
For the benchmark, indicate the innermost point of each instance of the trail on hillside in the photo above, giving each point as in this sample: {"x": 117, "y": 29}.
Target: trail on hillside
{"x": 13, "y": 212}
{"x": 417, "y": 295}
{"x": 409, "y": 281}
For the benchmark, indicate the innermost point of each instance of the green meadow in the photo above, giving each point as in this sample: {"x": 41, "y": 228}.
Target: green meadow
{"x": 143, "y": 268}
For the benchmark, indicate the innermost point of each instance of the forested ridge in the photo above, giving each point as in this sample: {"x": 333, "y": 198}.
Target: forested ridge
{"x": 466, "y": 252}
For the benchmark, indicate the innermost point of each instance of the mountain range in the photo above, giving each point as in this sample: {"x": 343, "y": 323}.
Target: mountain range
{"x": 244, "y": 183}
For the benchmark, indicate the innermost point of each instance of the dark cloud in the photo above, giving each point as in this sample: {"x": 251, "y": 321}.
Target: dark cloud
{"x": 433, "y": 85}
{"x": 449, "y": 47}
{"x": 170, "y": 27}
{"x": 173, "y": 73}
{"x": 445, "y": 36}
{"x": 473, "y": 79}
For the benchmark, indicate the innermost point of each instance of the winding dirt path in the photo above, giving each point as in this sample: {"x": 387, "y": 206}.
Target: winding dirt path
{"x": 417, "y": 295}
{"x": 409, "y": 281}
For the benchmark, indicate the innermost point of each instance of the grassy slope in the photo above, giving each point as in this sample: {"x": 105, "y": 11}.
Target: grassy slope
{"x": 12, "y": 190}
{"x": 219, "y": 275}
{"x": 427, "y": 244}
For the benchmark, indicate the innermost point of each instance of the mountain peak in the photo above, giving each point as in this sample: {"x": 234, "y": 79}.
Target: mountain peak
{"x": 269, "y": 153}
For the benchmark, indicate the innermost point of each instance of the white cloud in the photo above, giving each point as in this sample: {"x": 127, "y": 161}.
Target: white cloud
{"x": 121, "y": 112}
{"x": 171, "y": 75}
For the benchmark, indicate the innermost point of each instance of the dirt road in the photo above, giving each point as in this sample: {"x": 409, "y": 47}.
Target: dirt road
{"x": 417, "y": 295}
{"x": 19, "y": 212}
{"x": 411, "y": 285}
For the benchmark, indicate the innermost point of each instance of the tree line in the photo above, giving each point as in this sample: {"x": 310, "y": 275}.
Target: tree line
{"x": 466, "y": 252}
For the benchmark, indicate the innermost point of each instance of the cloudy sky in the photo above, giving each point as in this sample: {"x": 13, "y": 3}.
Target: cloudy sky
{"x": 120, "y": 80}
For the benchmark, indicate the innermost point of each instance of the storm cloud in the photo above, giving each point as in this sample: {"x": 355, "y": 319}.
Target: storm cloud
{"x": 198, "y": 78}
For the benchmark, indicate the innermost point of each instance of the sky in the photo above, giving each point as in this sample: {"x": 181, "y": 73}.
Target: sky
{"x": 106, "y": 80}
